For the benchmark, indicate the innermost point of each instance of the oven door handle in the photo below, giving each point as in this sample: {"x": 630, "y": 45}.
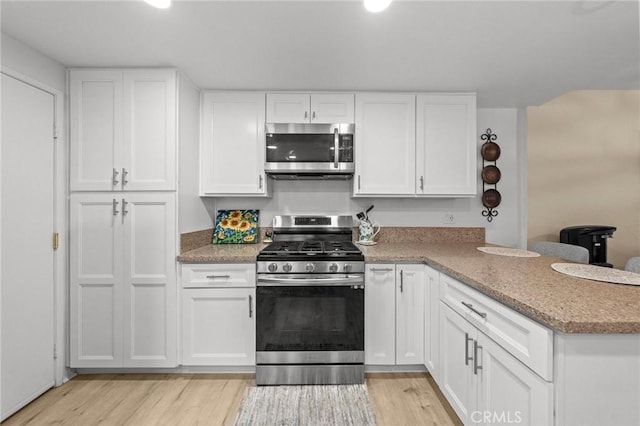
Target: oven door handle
{"x": 347, "y": 280}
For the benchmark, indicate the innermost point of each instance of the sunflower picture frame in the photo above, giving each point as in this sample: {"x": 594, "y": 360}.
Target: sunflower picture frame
{"x": 236, "y": 227}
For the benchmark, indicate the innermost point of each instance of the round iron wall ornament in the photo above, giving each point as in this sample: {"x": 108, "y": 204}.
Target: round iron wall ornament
{"x": 490, "y": 175}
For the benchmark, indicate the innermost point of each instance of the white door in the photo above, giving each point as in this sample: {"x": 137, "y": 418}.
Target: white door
{"x": 149, "y": 143}
{"x": 149, "y": 279}
{"x": 410, "y": 284}
{"x": 446, "y": 145}
{"x": 218, "y": 326}
{"x": 432, "y": 322}
{"x": 27, "y": 218}
{"x": 232, "y": 144}
{"x": 288, "y": 108}
{"x": 458, "y": 381}
{"x": 385, "y": 144}
{"x": 95, "y": 133}
{"x": 332, "y": 108}
{"x": 510, "y": 392}
{"x": 380, "y": 315}
{"x": 95, "y": 320}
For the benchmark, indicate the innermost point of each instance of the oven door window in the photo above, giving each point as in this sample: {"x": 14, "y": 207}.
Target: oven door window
{"x": 310, "y": 319}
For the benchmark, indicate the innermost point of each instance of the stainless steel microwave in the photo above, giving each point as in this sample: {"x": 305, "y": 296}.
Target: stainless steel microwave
{"x": 309, "y": 151}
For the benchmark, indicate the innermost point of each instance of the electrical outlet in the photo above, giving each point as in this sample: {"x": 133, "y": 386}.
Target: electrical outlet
{"x": 448, "y": 219}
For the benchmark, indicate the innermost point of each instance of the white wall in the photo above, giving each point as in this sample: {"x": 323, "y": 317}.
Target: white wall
{"x": 193, "y": 211}
{"x": 334, "y": 197}
{"x": 25, "y": 60}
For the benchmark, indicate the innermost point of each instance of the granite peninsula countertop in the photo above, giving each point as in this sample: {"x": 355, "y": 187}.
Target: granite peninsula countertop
{"x": 527, "y": 285}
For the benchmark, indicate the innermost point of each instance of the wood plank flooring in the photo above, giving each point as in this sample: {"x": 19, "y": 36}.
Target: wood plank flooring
{"x": 210, "y": 399}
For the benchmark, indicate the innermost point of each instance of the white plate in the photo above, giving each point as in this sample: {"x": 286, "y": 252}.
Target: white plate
{"x": 367, "y": 243}
{"x": 597, "y": 273}
{"x": 506, "y": 251}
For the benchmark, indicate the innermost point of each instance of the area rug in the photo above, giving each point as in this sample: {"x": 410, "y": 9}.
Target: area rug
{"x": 306, "y": 405}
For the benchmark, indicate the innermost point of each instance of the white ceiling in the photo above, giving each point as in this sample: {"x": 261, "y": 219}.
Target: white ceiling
{"x": 512, "y": 53}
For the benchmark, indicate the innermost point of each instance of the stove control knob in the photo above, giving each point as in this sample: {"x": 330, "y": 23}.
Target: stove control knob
{"x": 287, "y": 267}
{"x": 272, "y": 267}
{"x": 347, "y": 268}
{"x": 310, "y": 267}
{"x": 333, "y": 267}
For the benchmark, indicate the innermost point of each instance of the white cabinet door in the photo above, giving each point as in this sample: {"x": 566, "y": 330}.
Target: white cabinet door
{"x": 288, "y": 108}
{"x": 218, "y": 326}
{"x": 385, "y": 144}
{"x": 232, "y": 144}
{"x": 458, "y": 381}
{"x": 95, "y": 133}
{"x": 149, "y": 280}
{"x": 122, "y": 129}
{"x": 95, "y": 281}
{"x": 509, "y": 391}
{"x": 332, "y": 108}
{"x": 122, "y": 280}
{"x": 432, "y": 322}
{"x": 380, "y": 314}
{"x": 149, "y": 144}
{"x": 410, "y": 286}
{"x": 446, "y": 147}
{"x": 310, "y": 108}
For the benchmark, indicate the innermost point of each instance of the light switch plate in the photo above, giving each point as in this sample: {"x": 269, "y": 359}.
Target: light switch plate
{"x": 448, "y": 219}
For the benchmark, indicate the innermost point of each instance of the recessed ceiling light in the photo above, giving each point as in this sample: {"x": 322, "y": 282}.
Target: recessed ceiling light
{"x": 160, "y": 4}
{"x": 376, "y": 5}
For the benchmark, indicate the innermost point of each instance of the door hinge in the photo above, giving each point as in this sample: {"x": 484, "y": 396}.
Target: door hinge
{"x": 56, "y": 240}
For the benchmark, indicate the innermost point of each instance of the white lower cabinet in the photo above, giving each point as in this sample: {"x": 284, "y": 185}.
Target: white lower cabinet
{"x": 483, "y": 382}
{"x": 394, "y": 314}
{"x": 432, "y": 322}
{"x": 122, "y": 280}
{"x": 218, "y": 315}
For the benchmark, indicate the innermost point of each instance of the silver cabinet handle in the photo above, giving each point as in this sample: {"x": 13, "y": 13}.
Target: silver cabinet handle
{"x": 421, "y": 183}
{"x": 470, "y": 306}
{"x": 381, "y": 269}
{"x": 467, "y": 339}
{"x": 114, "y": 177}
{"x": 476, "y": 366}
{"x": 313, "y": 116}
{"x": 306, "y": 115}
{"x": 336, "y": 146}
{"x": 124, "y": 207}
{"x": 358, "y": 182}
{"x": 401, "y": 280}
{"x": 124, "y": 176}
{"x": 260, "y": 181}
{"x": 250, "y": 306}
{"x": 213, "y": 277}
{"x": 114, "y": 207}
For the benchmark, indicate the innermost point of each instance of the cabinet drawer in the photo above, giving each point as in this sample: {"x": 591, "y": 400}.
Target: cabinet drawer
{"x": 219, "y": 275}
{"x": 524, "y": 338}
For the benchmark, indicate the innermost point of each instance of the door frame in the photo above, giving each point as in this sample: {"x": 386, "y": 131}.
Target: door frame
{"x": 61, "y": 191}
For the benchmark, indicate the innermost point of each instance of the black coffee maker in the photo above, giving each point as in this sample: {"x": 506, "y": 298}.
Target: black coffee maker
{"x": 591, "y": 237}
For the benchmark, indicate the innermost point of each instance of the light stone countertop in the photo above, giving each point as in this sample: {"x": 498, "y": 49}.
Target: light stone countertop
{"x": 527, "y": 285}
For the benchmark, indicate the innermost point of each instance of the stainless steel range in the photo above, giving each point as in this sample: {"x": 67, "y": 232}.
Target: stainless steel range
{"x": 310, "y": 303}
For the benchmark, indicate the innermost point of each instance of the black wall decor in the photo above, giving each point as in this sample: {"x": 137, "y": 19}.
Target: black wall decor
{"x": 490, "y": 174}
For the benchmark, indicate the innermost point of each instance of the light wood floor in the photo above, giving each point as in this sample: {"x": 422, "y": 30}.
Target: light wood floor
{"x": 210, "y": 399}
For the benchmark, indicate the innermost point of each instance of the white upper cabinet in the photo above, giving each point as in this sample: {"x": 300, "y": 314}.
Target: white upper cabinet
{"x": 385, "y": 144}
{"x": 232, "y": 144}
{"x": 122, "y": 129}
{"x": 310, "y": 108}
{"x": 446, "y": 148}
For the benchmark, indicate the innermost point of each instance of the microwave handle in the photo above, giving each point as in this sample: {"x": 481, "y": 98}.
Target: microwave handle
{"x": 336, "y": 143}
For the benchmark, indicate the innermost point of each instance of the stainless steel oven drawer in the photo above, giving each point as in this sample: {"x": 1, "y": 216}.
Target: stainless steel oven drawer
{"x": 309, "y": 374}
